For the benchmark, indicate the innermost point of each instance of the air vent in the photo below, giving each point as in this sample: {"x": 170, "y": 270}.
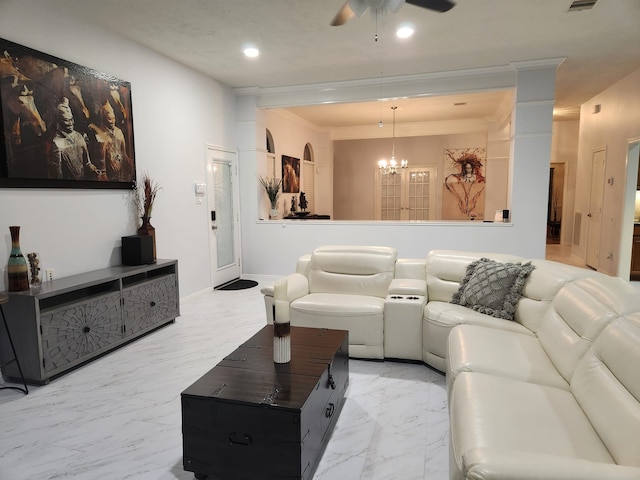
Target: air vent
{"x": 577, "y": 5}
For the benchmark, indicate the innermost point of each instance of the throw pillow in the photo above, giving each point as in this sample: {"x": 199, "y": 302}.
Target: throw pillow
{"x": 492, "y": 287}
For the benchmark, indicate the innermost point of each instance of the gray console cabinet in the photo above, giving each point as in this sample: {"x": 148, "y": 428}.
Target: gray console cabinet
{"x": 69, "y": 321}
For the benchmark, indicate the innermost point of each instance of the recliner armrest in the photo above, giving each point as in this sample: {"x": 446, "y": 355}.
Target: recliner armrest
{"x": 297, "y": 286}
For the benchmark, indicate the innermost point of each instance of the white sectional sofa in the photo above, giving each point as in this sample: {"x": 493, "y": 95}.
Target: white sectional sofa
{"x": 400, "y": 308}
{"x": 551, "y": 391}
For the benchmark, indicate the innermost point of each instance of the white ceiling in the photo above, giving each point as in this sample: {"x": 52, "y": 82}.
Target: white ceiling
{"x": 298, "y": 46}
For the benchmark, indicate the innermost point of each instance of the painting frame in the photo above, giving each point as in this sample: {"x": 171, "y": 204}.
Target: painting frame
{"x": 63, "y": 125}
{"x": 290, "y": 174}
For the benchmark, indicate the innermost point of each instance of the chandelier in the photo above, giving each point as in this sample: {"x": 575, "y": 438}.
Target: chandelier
{"x": 392, "y": 167}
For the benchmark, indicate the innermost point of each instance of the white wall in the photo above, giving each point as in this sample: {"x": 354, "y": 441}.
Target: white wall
{"x": 176, "y": 111}
{"x": 614, "y": 127}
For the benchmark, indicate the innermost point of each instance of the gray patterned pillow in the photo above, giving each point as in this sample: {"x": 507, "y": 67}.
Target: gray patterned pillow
{"x": 492, "y": 287}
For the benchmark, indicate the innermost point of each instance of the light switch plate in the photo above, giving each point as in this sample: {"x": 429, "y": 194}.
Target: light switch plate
{"x": 200, "y": 188}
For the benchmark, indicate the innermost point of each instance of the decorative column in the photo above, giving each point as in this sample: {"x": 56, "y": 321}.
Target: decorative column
{"x": 281, "y": 324}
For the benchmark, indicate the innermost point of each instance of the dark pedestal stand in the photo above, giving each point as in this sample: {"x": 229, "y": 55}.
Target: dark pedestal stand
{"x": 4, "y": 298}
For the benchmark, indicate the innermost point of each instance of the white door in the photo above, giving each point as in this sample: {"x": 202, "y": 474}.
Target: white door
{"x": 594, "y": 217}
{"x": 419, "y": 194}
{"x": 223, "y": 214}
{"x": 406, "y": 196}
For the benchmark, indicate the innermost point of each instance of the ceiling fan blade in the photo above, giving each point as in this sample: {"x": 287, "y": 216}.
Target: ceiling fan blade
{"x": 350, "y": 9}
{"x": 345, "y": 14}
{"x": 394, "y": 5}
{"x": 437, "y": 5}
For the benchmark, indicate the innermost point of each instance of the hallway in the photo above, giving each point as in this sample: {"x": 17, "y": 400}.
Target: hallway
{"x": 562, "y": 254}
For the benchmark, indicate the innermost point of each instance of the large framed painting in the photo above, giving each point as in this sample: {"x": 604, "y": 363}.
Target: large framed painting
{"x": 464, "y": 184}
{"x": 290, "y": 174}
{"x": 63, "y": 125}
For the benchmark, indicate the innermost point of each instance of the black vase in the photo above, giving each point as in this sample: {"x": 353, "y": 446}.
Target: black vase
{"x": 147, "y": 229}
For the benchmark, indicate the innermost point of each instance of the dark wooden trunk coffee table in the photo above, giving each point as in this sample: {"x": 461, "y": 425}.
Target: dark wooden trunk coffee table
{"x": 249, "y": 418}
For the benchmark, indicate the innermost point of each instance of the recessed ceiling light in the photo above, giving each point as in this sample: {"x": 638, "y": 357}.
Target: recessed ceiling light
{"x": 404, "y": 31}
{"x": 251, "y": 52}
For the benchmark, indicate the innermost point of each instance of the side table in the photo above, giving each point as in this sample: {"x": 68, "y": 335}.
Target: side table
{"x": 4, "y": 298}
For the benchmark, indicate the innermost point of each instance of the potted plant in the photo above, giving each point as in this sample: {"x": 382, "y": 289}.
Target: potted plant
{"x": 144, "y": 197}
{"x": 272, "y": 187}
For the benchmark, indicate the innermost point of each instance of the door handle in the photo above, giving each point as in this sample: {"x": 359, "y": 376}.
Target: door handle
{"x": 213, "y": 227}
{"x": 244, "y": 440}
{"x": 589, "y": 215}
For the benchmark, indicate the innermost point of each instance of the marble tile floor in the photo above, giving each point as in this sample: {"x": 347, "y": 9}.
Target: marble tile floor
{"x": 119, "y": 417}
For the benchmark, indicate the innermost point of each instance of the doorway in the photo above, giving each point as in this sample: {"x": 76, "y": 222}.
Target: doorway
{"x": 594, "y": 217}
{"x": 223, "y": 214}
{"x": 629, "y": 257}
{"x": 555, "y": 202}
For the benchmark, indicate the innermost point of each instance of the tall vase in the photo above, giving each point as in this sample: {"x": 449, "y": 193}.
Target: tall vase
{"x": 281, "y": 323}
{"x": 17, "y": 270}
{"x": 147, "y": 229}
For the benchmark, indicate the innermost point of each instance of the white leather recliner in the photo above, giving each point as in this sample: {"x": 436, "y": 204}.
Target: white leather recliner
{"x": 345, "y": 287}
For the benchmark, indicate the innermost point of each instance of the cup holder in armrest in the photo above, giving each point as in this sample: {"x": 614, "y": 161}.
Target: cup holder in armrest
{"x": 403, "y": 297}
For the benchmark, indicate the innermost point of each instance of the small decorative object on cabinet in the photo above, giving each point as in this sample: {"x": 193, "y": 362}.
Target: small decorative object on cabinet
{"x": 137, "y": 250}
{"x": 34, "y": 269}
{"x": 303, "y": 202}
{"x": 72, "y": 320}
{"x": 17, "y": 272}
{"x": 144, "y": 198}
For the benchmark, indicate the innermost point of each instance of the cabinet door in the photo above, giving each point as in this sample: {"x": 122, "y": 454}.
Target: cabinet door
{"x": 149, "y": 304}
{"x": 76, "y": 332}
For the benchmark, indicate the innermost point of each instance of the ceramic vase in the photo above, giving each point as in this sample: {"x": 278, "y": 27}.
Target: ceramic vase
{"x": 17, "y": 270}
{"x": 147, "y": 229}
{"x": 281, "y": 324}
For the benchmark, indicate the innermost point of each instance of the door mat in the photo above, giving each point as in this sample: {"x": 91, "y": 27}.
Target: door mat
{"x": 239, "y": 284}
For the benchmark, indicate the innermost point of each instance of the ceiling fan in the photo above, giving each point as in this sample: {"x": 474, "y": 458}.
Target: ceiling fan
{"x": 357, "y": 8}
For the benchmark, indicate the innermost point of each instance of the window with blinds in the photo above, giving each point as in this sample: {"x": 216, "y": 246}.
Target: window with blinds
{"x": 308, "y": 173}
